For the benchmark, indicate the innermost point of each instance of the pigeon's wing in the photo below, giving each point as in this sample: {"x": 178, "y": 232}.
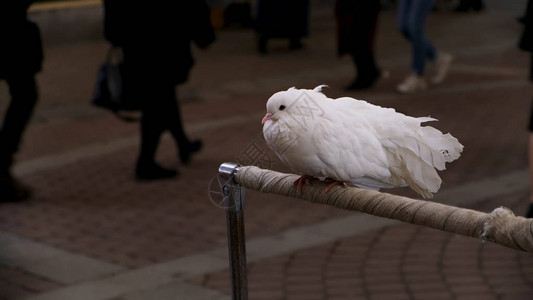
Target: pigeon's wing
{"x": 349, "y": 149}
{"x": 413, "y": 152}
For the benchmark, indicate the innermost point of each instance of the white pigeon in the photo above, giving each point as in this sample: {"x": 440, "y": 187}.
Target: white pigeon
{"x": 356, "y": 143}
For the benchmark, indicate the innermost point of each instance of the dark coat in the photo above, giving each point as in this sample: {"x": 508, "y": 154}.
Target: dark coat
{"x": 526, "y": 41}
{"x": 156, "y": 36}
{"x": 356, "y": 25}
{"x": 21, "y": 51}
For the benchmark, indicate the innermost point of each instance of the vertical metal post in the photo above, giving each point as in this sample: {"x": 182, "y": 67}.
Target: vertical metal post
{"x": 234, "y": 196}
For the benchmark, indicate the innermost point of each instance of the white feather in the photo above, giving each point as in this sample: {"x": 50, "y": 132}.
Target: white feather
{"x": 356, "y": 142}
{"x": 319, "y": 88}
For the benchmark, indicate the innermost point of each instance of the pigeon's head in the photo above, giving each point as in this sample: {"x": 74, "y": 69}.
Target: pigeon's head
{"x": 282, "y": 103}
{"x": 277, "y": 106}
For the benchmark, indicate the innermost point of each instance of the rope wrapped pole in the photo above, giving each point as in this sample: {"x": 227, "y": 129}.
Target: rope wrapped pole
{"x": 500, "y": 226}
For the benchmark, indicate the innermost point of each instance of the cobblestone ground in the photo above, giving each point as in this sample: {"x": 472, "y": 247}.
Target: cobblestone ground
{"x": 79, "y": 160}
{"x": 395, "y": 262}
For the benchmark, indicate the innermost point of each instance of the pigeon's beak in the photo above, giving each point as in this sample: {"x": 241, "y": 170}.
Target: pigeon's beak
{"x": 267, "y": 117}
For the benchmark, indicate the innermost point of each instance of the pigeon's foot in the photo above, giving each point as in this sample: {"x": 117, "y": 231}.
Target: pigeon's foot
{"x": 301, "y": 181}
{"x": 334, "y": 183}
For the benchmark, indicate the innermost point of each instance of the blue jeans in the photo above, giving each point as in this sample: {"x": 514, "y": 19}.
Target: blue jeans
{"x": 411, "y": 22}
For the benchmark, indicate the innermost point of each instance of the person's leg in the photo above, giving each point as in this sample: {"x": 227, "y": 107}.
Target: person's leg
{"x": 367, "y": 70}
{"x": 173, "y": 122}
{"x": 478, "y": 5}
{"x": 23, "y": 90}
{"x": 152, "y": 125}
{"x": 402, "y": 17}
{"x": 150, "y": 95}
{"x": 531, "y": 67}
{"x": 262, "y": 41}
{"x": 464, "y": 6}
{"x": 422, "y": 47}
{"x": 24, "y": 95}
{"x": 529, "y": 213}
{"x": 295, "y": 43}
{"x": 364, "y": 28}
{"x": 407, "y": 22}
{"x": 151, "y": 130}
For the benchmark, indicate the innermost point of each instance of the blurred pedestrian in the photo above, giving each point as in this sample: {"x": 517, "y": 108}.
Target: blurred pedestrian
{"x": 411, "y": 21}
{"x": 21, "y": 57}
{"x": 526, "y": 44}
{"x": 529, "y": 213}
{"x": 467, "y": 5}
{"x": 526, "y": 39}
{"x": 156, "y": 42}
{"x": 356, "y": 31}
{"x": 282, "y": 19}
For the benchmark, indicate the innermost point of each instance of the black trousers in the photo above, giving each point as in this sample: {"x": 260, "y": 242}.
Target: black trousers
{"x": 356, "y": 29}
{"x": 160, "y": 112}
{"x": 24, "y": 95}
{"x": 154, "y": 87}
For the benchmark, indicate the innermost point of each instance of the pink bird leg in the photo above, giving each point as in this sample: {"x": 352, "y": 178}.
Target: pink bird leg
{"x": 334, "y": 183}
{"x": 300, "y": 182}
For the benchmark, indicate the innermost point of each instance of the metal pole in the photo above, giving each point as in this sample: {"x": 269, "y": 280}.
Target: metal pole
{"x": 234, "y": 196}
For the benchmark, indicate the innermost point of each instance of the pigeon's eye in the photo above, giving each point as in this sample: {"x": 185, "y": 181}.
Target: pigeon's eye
{"x": 281, "y": 107}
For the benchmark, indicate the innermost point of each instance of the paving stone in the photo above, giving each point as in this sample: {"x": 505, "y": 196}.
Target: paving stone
{"x": 16, "y": 283}
{"x": 435, "y": 295}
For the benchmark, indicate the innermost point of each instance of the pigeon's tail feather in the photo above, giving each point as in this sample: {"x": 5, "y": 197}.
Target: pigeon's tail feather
{"x": 423, "y": 178}
{"x": 409, "y": 168}
{"x": 444, "y": 147}
{"x": 421, "y": 155}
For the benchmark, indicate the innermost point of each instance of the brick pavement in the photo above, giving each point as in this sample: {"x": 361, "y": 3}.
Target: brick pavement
{"x": 80, "y": 161}
{"x": 395, "y": 262}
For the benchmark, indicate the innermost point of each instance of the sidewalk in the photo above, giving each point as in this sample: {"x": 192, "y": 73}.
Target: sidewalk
{"x": 93, "y": 232}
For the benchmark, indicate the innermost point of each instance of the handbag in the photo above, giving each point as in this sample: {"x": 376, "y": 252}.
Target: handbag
{"x": 111, "y": 87}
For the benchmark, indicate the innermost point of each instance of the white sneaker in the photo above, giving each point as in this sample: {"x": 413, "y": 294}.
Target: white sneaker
{"x": 412, "y": 84}
{"x": 442, "y": 64}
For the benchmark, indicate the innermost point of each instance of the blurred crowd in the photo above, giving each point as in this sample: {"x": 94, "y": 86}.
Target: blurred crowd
{"x": 156, "y": 56}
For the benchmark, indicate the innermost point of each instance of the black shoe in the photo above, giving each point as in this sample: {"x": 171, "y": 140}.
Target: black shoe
{"x": 12, "y": 190}
{"x": 462, "y": 8}
{"x": 478, "y": 7}
{"x": 360, "y": 84}
{"x": 295, "y": 44}
{"x": 187, "y": 150}
{"x": 152, "y": 171}
{"x": 529, "y": 213}
{"x": 365, "y": 82}
{"x": 262, "y": 45}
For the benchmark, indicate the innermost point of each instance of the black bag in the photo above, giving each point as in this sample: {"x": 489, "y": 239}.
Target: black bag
{"x": 111, "y": 87}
